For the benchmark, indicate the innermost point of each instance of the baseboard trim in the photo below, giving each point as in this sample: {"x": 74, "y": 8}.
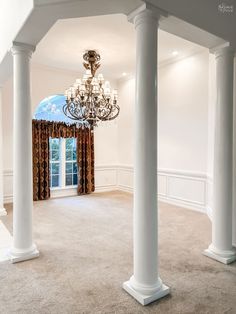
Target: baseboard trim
{"x": 124, "y": 188}
{"x": 112, "y": 180}
{"x": 8, "y": 199}
{"x": 106, "y": 188}
{"x": 182, "y": 203}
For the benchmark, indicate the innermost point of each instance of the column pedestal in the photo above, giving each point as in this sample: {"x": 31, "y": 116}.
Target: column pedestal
{"x": 225, "y": 257}
{"x": 16, "y": 256}
{"x": 146, "y": 296}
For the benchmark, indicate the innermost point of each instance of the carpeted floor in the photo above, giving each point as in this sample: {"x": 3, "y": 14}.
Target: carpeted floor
{"x": 86, "y": 253}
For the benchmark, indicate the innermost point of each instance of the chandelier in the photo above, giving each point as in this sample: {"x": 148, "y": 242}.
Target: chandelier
{"x": 90, "y": 99}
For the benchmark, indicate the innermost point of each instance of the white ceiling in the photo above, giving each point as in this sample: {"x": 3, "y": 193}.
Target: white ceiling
{"x": 112, "y": 36}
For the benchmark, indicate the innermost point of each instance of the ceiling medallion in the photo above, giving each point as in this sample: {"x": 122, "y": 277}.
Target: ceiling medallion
{"x": 90, "y": 100}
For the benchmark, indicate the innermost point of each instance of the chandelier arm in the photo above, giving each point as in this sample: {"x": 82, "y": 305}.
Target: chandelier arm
{"x": 112, "y": 117}
{"x": 104, "y": 107}
{"x": 73, "y": 113}
{"x": 69, "y": 116}
{"x": 116, "y": 115}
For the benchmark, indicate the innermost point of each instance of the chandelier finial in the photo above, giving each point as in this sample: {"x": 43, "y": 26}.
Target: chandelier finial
{"x": 92, "y": 59}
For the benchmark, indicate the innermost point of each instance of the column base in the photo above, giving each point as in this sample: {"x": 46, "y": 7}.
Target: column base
{"x": 3, "y": 212}
{"x": 143, "y": 298}
{"x": 225, "y": 257}
{"x": 17, "y": 256}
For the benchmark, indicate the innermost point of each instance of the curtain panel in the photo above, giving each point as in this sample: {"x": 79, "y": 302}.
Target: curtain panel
{"x": 42, "y": 131}
{"x": 85, "y": 161}
{"x": 41, "y": 174}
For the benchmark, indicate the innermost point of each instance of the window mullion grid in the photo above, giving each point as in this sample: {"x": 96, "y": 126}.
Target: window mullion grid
{"x": 62, "y": 162}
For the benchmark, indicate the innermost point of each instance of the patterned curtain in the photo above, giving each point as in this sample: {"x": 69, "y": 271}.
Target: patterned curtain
{"x": 41, "y": 176}
{"x": 42, "y": 131}
{"x": 85, "y": 161}
{"x": 61, "y": 129}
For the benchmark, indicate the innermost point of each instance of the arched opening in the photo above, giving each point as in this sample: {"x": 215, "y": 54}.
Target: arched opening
{"x": 50, "y": 109}
{"x": 62, "y": 151}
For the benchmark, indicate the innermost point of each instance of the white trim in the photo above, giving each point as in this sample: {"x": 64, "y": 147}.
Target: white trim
{"x": 105, "y": 167}
{"x": 8, "y": 173}
{"x": 197, "y": 178}
{"x": 182, "y": 203}
{"x": 106, "y": 188}
{"x": 8, "y": 199}
{"x": 108, "y": 177}
{"x": 125, "y": 188}
{"x": 62, "y": 192}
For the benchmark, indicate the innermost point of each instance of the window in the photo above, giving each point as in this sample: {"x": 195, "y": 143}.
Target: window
{"x": 55, "y": 162}
{"x": 63, "y": 165}
{"x": 71, "y": 163}
{"x": 51, "y": 109}
{"x": 63, "y": 162}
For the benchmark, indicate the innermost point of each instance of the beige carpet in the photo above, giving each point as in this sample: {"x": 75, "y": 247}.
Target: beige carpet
{"x": 86, "y": 253}
{"x": 5, "y": 242}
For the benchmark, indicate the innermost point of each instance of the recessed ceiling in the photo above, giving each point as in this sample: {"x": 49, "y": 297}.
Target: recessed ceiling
{"x": 112, "y": 36}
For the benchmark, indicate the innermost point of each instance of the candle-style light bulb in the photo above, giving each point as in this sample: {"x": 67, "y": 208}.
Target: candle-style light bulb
{"x": 107, "y": 85}
{"x": 100, "y": 78}
{"x": 115, "y": 94}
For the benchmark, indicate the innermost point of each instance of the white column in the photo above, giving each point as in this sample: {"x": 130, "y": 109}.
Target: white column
{"x": 2, "y": 209}
{"x": 23, "y": 247}
{"x": 145, "y": 285}
{"x": 221, "y": 248}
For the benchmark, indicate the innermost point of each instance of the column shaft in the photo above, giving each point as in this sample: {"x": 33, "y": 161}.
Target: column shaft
{"x": 2, "y": 209}
{"x": 145, "y": 156}
{"x": 23, "y": 247}
{"x": 221, "y": 248}
{"x": 145, "y": 284}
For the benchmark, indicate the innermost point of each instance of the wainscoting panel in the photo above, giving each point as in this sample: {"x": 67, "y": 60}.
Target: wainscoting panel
{"x": 209, "y": 196}
{"x": 179, "y": 188}
{"x": 105, "y": 178}
{"x": 8, "y": 186}
{"x": 125, "y": 178}
{"x": 190, "y": 190}
{"x": 162, "y": 185}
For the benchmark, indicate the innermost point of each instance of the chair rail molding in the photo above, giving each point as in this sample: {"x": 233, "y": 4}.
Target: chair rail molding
{"x": 181, "y": 188}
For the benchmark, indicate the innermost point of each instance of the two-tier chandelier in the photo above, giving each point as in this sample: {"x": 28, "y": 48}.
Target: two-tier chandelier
{"x": 90, "y": 99}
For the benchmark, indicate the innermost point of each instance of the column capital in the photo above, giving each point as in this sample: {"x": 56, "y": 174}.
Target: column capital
{"x": 223, "y": 50}
{"x": 21, "y": 48}
{"x": 146, "y": 12}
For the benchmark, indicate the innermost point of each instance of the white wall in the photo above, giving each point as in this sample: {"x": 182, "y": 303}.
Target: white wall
{"x": 183, "y": 99}
{"x": 183, "y": 132}
{"x": 13, "y": 14}
{"x": 45, "y": 82}
{"x": 211, "y": 132}
{"x": 126, "y": 89}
